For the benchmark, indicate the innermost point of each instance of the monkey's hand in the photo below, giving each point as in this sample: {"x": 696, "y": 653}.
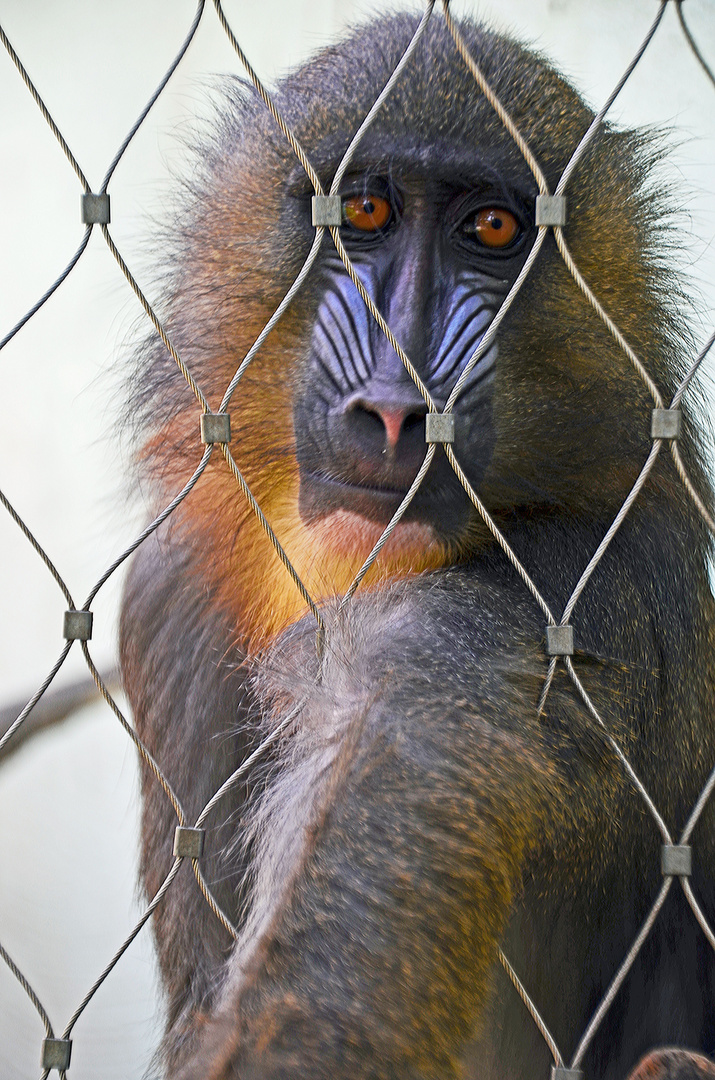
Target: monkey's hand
{"x": 391, "y": 841}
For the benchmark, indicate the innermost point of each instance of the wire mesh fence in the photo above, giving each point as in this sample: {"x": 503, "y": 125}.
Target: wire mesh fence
{"x": 213, "y": 438}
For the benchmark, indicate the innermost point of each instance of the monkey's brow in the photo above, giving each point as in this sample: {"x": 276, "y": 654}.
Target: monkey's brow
{"x": 383, "y": 154}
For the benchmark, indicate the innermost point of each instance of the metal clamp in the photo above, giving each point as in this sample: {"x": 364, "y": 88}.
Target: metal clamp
{"x": 56, "y": 1054}
{"x": 188, "y": 843}
{"x": 665, "y": 424}
{"x": 560, "y": 1072}
{"x": 676, "y": 860}
{"x": 550, "y": 210}
{"x": 95, "y": 209}
{"x": 327, "y": 210}
{"x": 78, "y": 625}
{"x": 559, "y": 640}
{"x": 439, "y": 427}
{"x": 215, "y": 428}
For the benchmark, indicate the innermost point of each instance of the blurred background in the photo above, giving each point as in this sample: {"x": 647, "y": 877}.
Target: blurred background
{"x": 68, "y": 796}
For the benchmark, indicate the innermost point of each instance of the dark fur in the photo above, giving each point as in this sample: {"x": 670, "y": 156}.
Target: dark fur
{"x": 421, "y": 814}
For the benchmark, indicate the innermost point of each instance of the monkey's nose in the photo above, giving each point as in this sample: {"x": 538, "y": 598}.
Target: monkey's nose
{"x": 386, "y": 435}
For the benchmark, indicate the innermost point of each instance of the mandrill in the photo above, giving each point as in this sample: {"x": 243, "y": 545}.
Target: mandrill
{"x": 423, "y": 813}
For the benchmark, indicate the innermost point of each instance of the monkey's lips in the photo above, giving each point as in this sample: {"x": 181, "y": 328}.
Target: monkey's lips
{"x": 349, "y": 519}
{"x": 321, "y": 496}
{"x": 439, "y": 505}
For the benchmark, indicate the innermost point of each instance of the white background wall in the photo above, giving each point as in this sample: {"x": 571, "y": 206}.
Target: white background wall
{"x": 68, "y": 800}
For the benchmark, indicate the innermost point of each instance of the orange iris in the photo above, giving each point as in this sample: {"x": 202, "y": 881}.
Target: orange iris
{"x": 495, "y": 228}
{"x": 368, "y": 213}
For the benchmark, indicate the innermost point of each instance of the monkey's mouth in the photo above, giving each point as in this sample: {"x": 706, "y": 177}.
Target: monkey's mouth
{"x": 442, "y": 506}
{"x": 322, "y": 495}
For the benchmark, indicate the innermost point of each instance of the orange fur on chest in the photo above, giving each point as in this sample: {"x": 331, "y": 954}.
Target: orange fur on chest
{"x": 246, "y": 574}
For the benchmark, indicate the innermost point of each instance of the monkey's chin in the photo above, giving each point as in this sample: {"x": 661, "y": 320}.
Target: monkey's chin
{"x": 348, "y": 534}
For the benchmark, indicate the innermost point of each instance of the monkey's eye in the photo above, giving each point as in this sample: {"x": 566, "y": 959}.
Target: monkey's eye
{"x": 367, "y": 213}
{"x": 486, "y": 229}
{"x": 494, "y": 227}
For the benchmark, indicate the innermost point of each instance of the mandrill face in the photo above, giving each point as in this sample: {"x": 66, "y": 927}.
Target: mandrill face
{"x": 437, "y": 257}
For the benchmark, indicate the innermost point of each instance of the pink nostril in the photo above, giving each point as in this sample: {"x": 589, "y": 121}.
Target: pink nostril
{"x": 393, "y": 421}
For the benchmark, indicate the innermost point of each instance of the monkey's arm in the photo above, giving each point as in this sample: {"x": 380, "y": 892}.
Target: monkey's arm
{"x": 392, "y": 842}
{"x": 184, "y": 677}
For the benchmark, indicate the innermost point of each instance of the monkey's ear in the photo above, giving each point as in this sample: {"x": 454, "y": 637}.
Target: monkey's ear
{"x": 672, "y": 1063}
